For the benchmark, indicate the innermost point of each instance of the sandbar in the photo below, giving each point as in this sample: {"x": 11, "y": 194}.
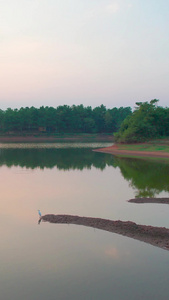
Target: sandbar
{"x": 156, "y": 236}
{"x": 150, "y": 200}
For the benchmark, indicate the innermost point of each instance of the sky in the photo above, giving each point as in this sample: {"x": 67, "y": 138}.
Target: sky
{"x": 90, "y": 52}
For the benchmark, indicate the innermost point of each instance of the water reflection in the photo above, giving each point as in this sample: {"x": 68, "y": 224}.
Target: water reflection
{"x": 148, "y": 178}
{"x": 63, "y": 158}
{"x": 75, "y": 262}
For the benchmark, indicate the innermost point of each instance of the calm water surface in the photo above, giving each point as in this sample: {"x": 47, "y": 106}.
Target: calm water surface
{"x": 57, "y": 261}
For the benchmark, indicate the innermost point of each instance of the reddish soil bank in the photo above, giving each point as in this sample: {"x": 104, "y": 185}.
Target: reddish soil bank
{"x": 150, "y": 200}
{"x": 156, "y": 236}
{"x": 32, "y": 138}
{"x": 25, "y": 139}
{"x": 115, "y": 151}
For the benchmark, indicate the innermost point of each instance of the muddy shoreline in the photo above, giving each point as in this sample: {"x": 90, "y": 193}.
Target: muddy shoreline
{"x": 52, "y": 138}
{"x": 156, "y": 236}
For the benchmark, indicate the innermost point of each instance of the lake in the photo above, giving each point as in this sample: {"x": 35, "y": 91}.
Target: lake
{"x": 62, "y": 261}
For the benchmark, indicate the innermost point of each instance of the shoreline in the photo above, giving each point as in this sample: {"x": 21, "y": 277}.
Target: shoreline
{"x": 114, "y": 150}
{"x": 156, "y": 236}
{"x": 59, "y": 138}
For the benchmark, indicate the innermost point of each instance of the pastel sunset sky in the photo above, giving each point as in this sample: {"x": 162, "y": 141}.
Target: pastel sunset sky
{"x": 90, "y": 52}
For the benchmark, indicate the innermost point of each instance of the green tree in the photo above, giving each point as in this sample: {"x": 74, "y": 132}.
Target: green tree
{"x": 146, "y": 122}
{"x": 99, "y": 117}
{"x": 1, "y": 120}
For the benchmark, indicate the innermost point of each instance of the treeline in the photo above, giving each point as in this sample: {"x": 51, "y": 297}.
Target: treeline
{"x": 148, "y": 121}
{"x": 63, "y": 119}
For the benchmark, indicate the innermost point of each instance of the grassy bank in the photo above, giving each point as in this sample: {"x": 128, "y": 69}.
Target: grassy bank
{"x": 157, "y": 149}
{"x": 152, "y": 146}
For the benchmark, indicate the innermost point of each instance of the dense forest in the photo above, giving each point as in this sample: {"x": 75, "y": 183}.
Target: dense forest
{"x": 148, "y": 121}
{"x": 63, "y": 119}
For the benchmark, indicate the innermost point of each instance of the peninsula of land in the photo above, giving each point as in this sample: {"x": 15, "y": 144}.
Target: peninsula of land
{"x": 137, "y": 150}
{"x": 156, "y": 236}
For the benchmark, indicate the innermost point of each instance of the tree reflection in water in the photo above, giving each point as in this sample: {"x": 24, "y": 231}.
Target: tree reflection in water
{"x": 148, "y": 178}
